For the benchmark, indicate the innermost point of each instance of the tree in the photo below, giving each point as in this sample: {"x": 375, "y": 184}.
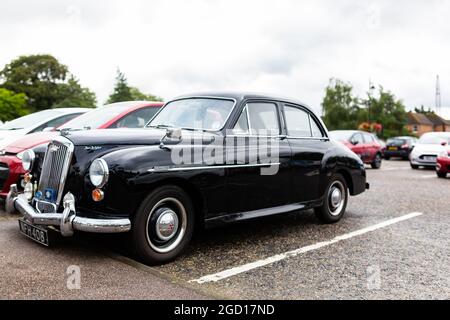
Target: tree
{"x": 38, "y": 76}
{"x": 122, "y": 92}
{"x": 388, "y": 111}
{"x": 423, "y": 110}
{"x": 139, "y": 96}
{"x": 341, "y": 110}
{"x": 12, "y": 105}
{"x": 74, "y": 95}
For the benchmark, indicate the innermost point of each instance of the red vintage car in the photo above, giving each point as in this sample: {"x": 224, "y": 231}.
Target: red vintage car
{"x": 364, "y": 144}
{"x": 134, "y": 114}
{"x": 443, "y": 164}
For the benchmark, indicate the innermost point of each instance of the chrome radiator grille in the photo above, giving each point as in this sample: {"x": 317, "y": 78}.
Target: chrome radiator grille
{"x": 54, "y": 173}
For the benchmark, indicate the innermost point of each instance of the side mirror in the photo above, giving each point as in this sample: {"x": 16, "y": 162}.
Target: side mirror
{"x": 354, "y": 142}
{"x": 49, "y": 129}
{"x": 174, "y": 133}
{"x": 444, "y": 143}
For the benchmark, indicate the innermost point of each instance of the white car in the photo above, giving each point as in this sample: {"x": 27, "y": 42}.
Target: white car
{"x": 36, "y": 122}
{"x": 428, "y": 148}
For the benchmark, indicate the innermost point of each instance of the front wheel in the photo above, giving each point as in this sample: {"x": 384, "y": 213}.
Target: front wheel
{"x": 335, "y": 201}
{"x": 414, "y": 166}
{"x": 163, "y": 225}
{"x": 442, "y": 175}
{"x": 376, "y": 164}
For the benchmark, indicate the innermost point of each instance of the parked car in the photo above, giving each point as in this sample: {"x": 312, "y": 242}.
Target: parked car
{"x": 135, "y": 114}
{"x": 399, "y": 147}
{"x": 364, "y": 144}
{"x": 428, "y": 148}
{"x": 112, "y": 181}
{"x": 443, "y": 164}
{"x": 36, "y": 122}
{"x": 383, "y": 145}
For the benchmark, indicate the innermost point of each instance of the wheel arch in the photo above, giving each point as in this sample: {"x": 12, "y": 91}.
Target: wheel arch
{"x": 198, "y": 201}
{"x": 348, "y": 179}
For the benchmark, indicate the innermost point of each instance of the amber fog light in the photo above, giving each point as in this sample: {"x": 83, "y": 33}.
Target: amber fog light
{"x": 98, "y": 195}
{"x": 27, "y": 178}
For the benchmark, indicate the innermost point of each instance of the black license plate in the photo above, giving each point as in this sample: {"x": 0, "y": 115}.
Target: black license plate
{"x": 37, "y": 234}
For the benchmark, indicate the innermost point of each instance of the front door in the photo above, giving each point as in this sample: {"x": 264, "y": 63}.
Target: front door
{"x": 258, "y": 180}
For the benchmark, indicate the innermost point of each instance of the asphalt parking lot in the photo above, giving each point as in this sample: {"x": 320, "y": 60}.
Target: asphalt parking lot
{"x": 392, "y": 244}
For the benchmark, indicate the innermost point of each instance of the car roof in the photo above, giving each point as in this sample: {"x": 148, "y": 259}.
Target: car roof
{"x": 131, "y": 104}
{"x": 72, "y": 110}
{"x": 241, "y": 95}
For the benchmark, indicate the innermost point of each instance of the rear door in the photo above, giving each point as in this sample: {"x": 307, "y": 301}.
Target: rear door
{"x": 309, "y": 144}
{"x": 371, "y": 146}
{"x": 358, "y": 146}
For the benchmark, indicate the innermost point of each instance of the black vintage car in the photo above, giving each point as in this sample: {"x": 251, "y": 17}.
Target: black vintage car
{"x": 204, "y": 160}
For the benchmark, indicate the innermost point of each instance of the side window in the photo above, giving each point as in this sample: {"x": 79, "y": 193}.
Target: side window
{"x": 357, "y": 139}
{"x": 316, "y": 132}
{"x": 263, "y": 117}
{"x": 242, "y": 123}
{"x": 297, "y": 121}
{"x": 55, "y": 123}
{"x": 368, "y": 138}
{"x": 136, "y": 119}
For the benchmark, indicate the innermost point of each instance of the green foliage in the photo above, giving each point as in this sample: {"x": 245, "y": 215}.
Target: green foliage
{"x": 123, "y": 92}
{"x": 423, "y": 110}
{"x": 139, "y": 96}
{"x": 344, "y": 111}
{"x": 38, "y": 77}
{"x": 340, "y": 106}
{"x": 12, "y": 105}
{"x": 74, "y": 95}
{"x": 388, "y": 111}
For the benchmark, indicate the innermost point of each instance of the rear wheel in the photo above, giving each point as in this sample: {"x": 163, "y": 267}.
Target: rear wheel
{"x": 376, "y": 164}
{"x": 163, "y": 225}
{"x": 335, "y": 201}
{"x": 442, "y": 174}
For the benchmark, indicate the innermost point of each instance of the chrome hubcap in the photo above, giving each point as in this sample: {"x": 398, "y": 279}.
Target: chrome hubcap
{"x": 336, "y": 198}
{"x": 167, "y": 225}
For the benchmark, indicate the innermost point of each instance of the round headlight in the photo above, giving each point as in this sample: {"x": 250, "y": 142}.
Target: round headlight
{"x": 27, "y": 159}
{"x": 99, "y": 173}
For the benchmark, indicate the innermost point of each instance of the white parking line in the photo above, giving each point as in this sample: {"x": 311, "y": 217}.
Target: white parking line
{"x": 395, "y": 169}
{"x": 428, "y": 176}
{"x": 261, "y": 263}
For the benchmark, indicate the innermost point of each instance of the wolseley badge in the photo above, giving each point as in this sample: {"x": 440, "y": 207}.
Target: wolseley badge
{"x": 49, "y": 194}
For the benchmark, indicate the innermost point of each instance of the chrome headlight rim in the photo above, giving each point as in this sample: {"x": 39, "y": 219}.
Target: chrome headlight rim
{"x": 103, "y": 176}
{"x": 28, "y": 157}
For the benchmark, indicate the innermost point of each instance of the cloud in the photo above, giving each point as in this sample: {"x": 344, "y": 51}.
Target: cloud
{"x": 286, "y": 47}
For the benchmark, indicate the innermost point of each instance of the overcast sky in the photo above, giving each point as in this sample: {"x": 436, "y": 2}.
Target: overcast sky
{"x": 292, "y": 48}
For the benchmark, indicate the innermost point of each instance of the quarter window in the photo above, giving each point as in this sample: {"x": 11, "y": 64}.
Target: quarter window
{"x": 298, "y": 123}
{"x": 316, "y": 132}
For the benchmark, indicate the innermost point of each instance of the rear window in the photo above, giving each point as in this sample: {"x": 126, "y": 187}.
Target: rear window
{"x": 433, "y": 139}
{"x": 397, "y": 141}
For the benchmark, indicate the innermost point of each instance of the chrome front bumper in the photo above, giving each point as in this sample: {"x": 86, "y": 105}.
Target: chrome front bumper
{"x": 67, "y": 221}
